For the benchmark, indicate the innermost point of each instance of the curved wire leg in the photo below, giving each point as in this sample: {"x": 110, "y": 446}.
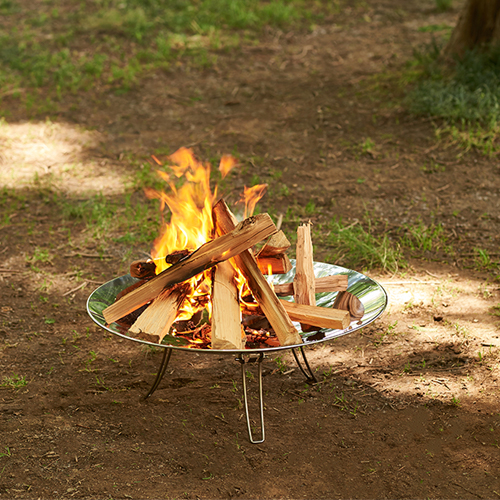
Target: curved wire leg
{"x": 309, "y": 374}
{"x": 261, "y": 400}
{"x": 161, "y": 372}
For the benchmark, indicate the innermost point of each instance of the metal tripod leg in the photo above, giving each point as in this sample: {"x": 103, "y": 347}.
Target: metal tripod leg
{"x": 161, "y": 372}
{"x": 242, "y": 361}
{"x": 309, "y": 374}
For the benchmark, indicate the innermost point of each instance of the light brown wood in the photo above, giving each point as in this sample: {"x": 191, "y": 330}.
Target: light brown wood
{"x": 303, "y": 283}
{"x": 321, "y": 317}
{"x": 243, "y": 236}
{"x": 346, "y": 301}
{"x": 227, "y": 331}
{"x": 270, "y": 304}
{"x": 158, "y": 318}
{"x": 277, "y": 264}
{"x": 335, "y": 283}
{"x": 277, "y": 244}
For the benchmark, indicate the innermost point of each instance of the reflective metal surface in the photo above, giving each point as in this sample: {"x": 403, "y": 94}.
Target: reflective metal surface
{"x": 370, "y": 293}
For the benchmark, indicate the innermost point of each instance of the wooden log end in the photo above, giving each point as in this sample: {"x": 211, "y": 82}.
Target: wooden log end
{"x": 346, "y": 301}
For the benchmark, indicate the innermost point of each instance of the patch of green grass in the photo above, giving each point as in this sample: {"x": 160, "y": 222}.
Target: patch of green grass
{"x": 15, "y": 381}
{"x": 129, "y": 39}
{"x": 424, "y": 238}
{"x": 355, "y": 247}
{"x": 435, "y": 28}
{"x": 483, "y": 260}
{"x": 466, "y": 97}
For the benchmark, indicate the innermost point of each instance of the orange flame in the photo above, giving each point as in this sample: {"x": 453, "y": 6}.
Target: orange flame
{"x": 251, "y": 196}
{"x": 191, "y": 223}
{"x": 190, "y": 200}
{"x": 190, "y": 206}
{"x": 227, "y": 163}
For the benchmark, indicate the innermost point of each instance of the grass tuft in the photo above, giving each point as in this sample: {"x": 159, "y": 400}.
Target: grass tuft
{"x": 466, "y": 97}
{"x": 356, "y": 247}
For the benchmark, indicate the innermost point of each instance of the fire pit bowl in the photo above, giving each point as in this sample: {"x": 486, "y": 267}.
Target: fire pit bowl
{"x": 371, "y": 294}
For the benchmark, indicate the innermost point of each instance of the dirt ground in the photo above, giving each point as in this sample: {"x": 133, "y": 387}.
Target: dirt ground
{"x": 406, "y": 408}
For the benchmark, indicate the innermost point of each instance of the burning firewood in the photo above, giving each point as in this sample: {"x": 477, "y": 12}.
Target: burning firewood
{"x": 335, "y": 283}
{"x": 227, "y": 331}
{"x": 176, "y": 256}
{"x": 143, "y": 269}
{"x": 303, "y": 283}
{"x": 260, "y": 288}
{"x": 271, "y": 257}
{"x": 320, "y": 317}
{"x": 237, "y": 240}
{"x": 276, "y": 245}
{"x": 275, "y": 264}
{"x": 155, "y": 322}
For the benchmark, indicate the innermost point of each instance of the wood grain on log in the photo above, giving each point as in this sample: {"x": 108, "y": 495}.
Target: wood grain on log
{"x": 276, "y": 245}
{"x": 158, "y": 318}
{"x": 335, "y": 283}
{"x": 346, "y": 301}
{"x": 303, "y": 283}
{"x": 276, "y": 264}
{"x": 320, "y": 317}
{"x": 261, "y": 290}
{"x": 227, "y": 332}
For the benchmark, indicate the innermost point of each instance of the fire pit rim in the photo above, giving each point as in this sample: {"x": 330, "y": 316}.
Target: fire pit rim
{"x": 356, "y": 282}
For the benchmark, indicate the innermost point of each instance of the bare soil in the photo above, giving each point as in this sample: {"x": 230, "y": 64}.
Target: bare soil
{"x": 407, "y": 408}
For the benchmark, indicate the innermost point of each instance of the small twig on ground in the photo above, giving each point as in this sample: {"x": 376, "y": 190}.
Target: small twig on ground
{"x": 430, "y": 274}
{"x": 221, "y": 419}
{"x": 442, "y": 188}
{"x": 75, "y": 289}
{"x": 467, "y": 490}
{"x": 88, "y": 255}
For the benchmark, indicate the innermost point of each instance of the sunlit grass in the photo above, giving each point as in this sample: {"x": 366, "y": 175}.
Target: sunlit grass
{"x": 359, "y": 247}
{"x": 465, "y": 97}
{"x": 126, "y": 40}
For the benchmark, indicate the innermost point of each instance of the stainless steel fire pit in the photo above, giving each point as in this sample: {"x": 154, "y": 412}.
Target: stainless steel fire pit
{"x": 371, "y": 294}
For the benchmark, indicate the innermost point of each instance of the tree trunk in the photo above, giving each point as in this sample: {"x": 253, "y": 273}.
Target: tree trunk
{"x": 477, "y": 27}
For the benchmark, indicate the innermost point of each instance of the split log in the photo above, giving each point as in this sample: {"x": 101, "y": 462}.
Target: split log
{"x": 176, "y": 256}
{"x": 275, "y": 264}
{"x": 335, "y": 283}
{"x": 227, "y": 332}
{"x": 303, "y": 283}
{"x": 320, "y": 317}
{"x": 346, "y": 301}
{"x": 276, "y": 245}
{"x": 155, "y": 322}
{"x": 247, "y": 233}
{"x": 142, "y": 269}
{"x": 260, "y": 288}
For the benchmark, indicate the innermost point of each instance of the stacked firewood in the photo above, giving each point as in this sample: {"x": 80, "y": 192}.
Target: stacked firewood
{"x": 253, "y": 314}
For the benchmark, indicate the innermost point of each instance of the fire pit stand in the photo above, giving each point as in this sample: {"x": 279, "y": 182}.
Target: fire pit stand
{"x": 371, "y": 294}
